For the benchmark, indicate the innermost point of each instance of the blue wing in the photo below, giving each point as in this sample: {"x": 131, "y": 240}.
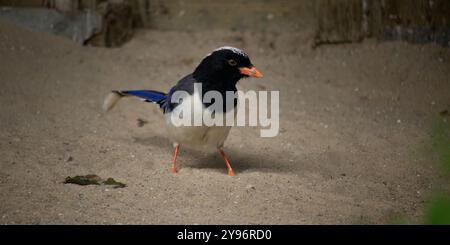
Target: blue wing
{"x": 185, "y": 84}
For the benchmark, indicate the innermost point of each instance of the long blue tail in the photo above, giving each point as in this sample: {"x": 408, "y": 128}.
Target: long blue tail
{"x": 146, "y": 95}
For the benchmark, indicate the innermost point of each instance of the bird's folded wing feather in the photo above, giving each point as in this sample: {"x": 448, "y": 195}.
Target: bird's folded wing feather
{"x": 185, "y": 84}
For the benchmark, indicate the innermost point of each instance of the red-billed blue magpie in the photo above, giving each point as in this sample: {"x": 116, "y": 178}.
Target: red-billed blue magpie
{"x": 218, "y": 71}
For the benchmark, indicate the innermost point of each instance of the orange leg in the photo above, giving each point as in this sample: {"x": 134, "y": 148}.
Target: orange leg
{"x": 174, "y": 159}
{"x": 227, "y": 162}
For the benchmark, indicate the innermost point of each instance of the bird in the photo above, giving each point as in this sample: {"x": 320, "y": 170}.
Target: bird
{"x": 219, "y": 71}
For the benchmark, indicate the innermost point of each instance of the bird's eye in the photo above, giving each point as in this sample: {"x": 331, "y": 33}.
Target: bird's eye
{"x": 232, "y": 62}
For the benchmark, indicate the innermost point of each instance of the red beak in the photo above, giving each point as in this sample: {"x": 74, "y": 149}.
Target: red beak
{"x": 251, "y": 72}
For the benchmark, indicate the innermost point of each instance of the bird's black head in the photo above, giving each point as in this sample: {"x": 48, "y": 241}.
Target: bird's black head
{"x": 223, "y": 68}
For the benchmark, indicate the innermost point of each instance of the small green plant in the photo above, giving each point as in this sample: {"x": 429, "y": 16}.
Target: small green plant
{"x": 438, "y": 210}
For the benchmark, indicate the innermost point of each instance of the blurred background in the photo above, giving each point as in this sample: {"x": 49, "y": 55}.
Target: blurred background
{"x": 330, "y": 21}
{"x": 364, "y": 112}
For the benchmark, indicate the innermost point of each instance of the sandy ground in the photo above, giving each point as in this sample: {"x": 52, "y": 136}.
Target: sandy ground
{"x": 354, "y": 147}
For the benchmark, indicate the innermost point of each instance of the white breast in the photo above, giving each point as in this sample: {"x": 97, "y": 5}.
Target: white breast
{"x": 200, "y": 137}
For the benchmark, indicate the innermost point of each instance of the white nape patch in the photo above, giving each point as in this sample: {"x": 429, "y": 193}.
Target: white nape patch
{"x": 233, "y": 49}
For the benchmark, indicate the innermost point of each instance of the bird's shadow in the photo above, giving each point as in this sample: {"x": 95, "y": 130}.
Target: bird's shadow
{"x": 241, "y": 160}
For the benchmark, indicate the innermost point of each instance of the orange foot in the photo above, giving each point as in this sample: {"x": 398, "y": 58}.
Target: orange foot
{"x": 231, "y": 172}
